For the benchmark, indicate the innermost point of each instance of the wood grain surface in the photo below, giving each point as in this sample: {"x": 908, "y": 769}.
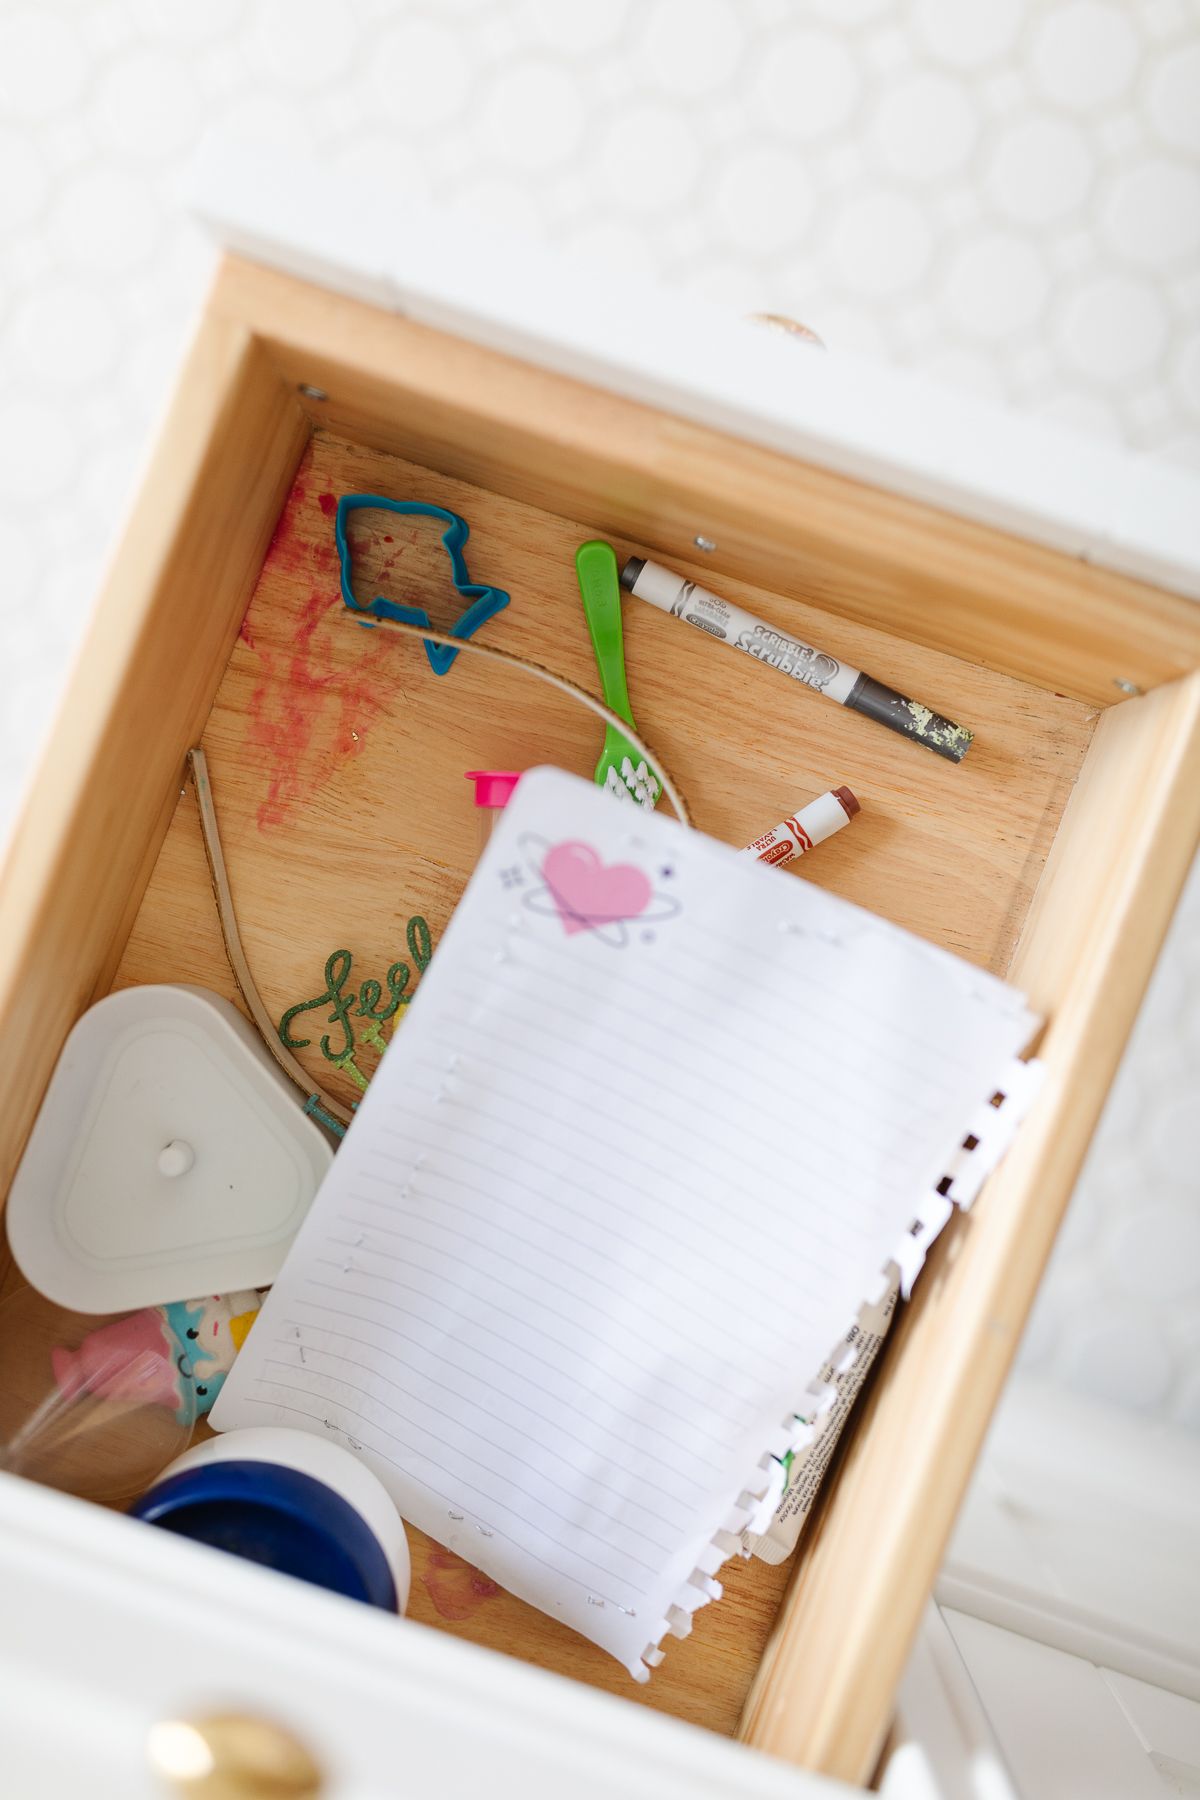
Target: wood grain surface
{"x": 141, "y": 688}
{"x": 862, "y": 1577}
{"x": 337, "y": 758}
{"x": 867, "y": 554}
{"x": 337, "y": 762}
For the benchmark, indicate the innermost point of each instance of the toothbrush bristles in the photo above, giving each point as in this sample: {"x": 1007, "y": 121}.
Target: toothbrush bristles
{"x": 642, "y": 785}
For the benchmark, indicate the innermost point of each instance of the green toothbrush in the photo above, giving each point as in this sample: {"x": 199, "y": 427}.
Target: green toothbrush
{"x": 621, "y": 769}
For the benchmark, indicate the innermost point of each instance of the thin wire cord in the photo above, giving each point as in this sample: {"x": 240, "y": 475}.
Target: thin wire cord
{"x": 651, "y": 758}
{"x": 198, "y": 763}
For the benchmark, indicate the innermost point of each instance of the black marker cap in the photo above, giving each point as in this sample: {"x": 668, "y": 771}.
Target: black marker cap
{"x": 631, "y": 571}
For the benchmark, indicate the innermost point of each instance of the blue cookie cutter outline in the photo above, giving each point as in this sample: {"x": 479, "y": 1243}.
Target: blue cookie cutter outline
{"x": 485, "y": 601}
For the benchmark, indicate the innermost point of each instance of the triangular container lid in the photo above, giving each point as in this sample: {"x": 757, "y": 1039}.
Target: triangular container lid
{"x": 170, "y": 1158}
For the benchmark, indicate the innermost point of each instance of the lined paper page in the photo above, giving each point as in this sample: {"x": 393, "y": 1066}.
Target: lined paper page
{"x": 655, "y": 1120}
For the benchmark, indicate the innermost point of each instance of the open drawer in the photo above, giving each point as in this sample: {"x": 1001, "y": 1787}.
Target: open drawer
{"x": 1053, "y": 854}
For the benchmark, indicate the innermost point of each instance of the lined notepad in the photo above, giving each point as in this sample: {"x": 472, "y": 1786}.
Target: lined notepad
{"x": 655, "y": 1122}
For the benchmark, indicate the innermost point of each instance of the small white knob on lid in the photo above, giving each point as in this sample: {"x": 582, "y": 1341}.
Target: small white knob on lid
{"x": 176, "y": 1158}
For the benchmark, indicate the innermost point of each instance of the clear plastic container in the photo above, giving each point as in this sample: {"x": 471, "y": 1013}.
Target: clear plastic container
{"x": 95, "y": 1404}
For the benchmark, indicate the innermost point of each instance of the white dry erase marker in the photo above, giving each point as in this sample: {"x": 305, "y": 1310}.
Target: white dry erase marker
{"x": 811, "y": 825}
{"x": 838, "y": 681}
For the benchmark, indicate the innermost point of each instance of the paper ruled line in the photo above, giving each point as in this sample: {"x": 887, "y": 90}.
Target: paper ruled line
{"x": 319, "y": 1418}
{"x": 687, "y": 1209}
{"x": 767, "y": 1286}
{"x": 685, "y": 1213}
{"x": 640, "y": 1337}
{"x": 560, "y": 1342}
{"x": 649, "y": 1070}
{"x": 806, "y": 982}
{"x": 488, "y": 1494}
{"x": 688, "y": 1450}
{"x": 651, "y": 1279}
{"x": 793, "y": 1042}
{"x": 293, "y": 1364}
{"x": 814, "y": 1266}
{"x": 559, "y": 1431}
{"x": 839, "y": 1158}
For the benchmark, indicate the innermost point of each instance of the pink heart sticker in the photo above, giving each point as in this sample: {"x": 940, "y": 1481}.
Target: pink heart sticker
{"x": 588, "y": 892}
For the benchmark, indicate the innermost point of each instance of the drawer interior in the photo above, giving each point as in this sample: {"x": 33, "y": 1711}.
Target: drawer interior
{"x": 337, "y": 762}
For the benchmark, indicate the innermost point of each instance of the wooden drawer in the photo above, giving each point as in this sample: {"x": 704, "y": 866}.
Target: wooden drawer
{"x": 1053, "y": 854}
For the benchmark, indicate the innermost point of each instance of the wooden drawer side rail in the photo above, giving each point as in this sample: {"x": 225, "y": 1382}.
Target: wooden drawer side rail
{"x": 139, "y": 694}
{"x": 632, "y": 472}
{"x": 824, "y": 1688}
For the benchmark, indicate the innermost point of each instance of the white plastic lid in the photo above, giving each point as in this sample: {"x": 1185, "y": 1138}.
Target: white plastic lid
{"x": 170, "y": 1158}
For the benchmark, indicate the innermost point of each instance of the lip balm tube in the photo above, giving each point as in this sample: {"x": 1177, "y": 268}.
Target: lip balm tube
{"x": 815, "y": 668}
{"x": 810, "y": 826}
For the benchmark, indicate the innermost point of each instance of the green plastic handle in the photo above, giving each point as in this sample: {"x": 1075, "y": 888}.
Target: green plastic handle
{"x": 596, "y": 567}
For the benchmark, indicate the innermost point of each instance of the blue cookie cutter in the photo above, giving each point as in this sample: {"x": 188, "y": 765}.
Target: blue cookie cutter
{"x": 484, "y": 601}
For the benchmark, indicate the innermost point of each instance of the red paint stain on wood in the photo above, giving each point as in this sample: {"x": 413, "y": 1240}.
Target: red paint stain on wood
{"x": 245, "y": 633}
{"x": 456, "y": 1588}
{"x": 280, "y": 727}
{"x": 317, "y": 698}
{"x": 311, "y": 712}
{"x": 311, "y": 614}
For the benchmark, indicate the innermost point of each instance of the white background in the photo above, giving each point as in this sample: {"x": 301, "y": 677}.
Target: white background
{"x": 1004, "y": 193}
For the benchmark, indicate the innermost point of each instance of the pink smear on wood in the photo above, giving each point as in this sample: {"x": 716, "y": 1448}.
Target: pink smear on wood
{"x": 317, "y": 699}
{"x": 314, "y": 714}
{"x": 456, "y": 1588}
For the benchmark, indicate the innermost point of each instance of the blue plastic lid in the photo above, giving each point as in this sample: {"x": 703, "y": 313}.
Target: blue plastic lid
{"x": 278, "y": 1517}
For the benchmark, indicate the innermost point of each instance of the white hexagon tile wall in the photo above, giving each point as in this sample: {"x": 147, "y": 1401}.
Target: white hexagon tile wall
{"x": 1003, "y": 193}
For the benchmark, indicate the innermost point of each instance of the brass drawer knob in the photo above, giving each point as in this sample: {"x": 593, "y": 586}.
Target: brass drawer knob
{"x": 232, "y": 1757}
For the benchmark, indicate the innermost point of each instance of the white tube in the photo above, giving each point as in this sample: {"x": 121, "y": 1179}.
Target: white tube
{"x": 733, "y": 625}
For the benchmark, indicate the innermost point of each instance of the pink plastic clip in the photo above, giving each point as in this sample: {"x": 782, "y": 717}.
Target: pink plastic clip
{"x": 493, "y": 787}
